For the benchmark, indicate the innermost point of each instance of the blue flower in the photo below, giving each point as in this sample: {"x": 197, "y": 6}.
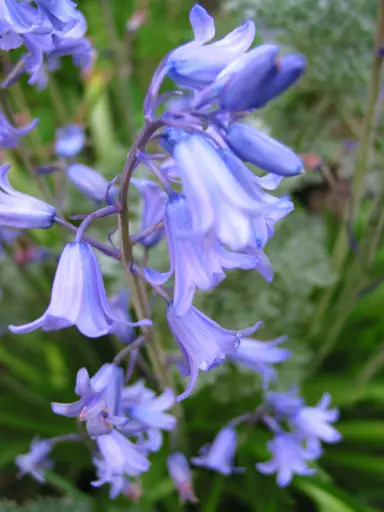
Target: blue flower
{"x": 260, "y": 149}
{"x": 63, "y": 15}
{"x": 198, "y": 261}
{"x": 258, "y": 77}
{"x": 203, "y": 343}
{"x": 16, "y": 19}
{"x": 180, "y": 472}
{"x": 313, "y": 423}
{"x": 121, "y": 328}
{"x": 9, "y": 135}
{"x": 119, "y": 483}
{"x": 218, "y": 203}
{"x": 284, "y": 405}
{"x": 36, "y": 460}
{"x": 19, "y": 210}
{"x": 70, "y": 140}
{"x": 259, "y": 355}
{"x": 197, "y": 65}
{"x": 153, "y": 211}
{"x": 120, "y": 457}
{"x": 90, "y": 182}
{"x": 151, "y": 412}
{"x": 78, "y": 297}
{"x": 99, "y": 405}
{"x": 220, "y": 454}
{"x": 289, "y": 457}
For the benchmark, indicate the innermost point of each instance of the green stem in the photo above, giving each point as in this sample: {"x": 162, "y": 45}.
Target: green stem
{"x": 371, "y": 368}
{"x": 341, "y": 247}
{"x": 122, "y": 69}
{"x": 57, "y": 100}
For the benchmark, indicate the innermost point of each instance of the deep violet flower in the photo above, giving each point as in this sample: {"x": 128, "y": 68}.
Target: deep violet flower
{"x": 78, "y": 297}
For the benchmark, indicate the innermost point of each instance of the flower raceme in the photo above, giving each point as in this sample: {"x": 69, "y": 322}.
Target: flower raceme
{"x": 78, "y": 297}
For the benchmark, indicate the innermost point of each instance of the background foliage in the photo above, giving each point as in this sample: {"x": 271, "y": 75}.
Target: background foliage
{"x": 321, "y": 118}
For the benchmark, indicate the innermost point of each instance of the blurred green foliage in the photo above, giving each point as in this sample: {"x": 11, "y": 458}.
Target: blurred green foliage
{"x": 317, "y": 117}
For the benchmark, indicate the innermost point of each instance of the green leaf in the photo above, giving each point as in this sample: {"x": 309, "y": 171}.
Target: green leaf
{"x": 46, "y": 505}
{"x": 66, "y": 486}
{"x": 327, "y": 497}
{"x": 362, "y": 431}
{"x": 344, "y": 392}
{"x": 357, "y": 461}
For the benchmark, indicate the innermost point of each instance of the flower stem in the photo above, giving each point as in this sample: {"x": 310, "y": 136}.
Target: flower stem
{"x": 341, "y": 247}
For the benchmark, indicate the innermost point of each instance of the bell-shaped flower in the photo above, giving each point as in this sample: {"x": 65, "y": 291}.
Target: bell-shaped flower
{"x": 136, "y": 394}
{"x": 119, "y": 484}
{"x": 284, "y": 406}
{"x": 120, "y": 304}
{"x": 262, "y": 150}
{"x": 99, "y": 405}
{"x": 70, "y": 140}
{"x": 272, "y": 209}
{"x": 153, "y": 209}
{"x": 219, "y": 455}
{"x": 90, "y": 183}
{"x": 314, "y": 423}
{"x": 260, "y": 355}
{"x": 121, "y": 457}
{"x": 9, "y": 135}
{"x": 78, "y": 297}
{"x": 151, "y": 412}
{"x": 203, "y": 343}
{"x": 16, "y": 19}
{"x": 197, "y": 260}
{"x": 19, "y": 210}
{"x": 195, "y": 64}
{"x": 180, "y": 472}
{"x": 258, "y": 77}
{"x": 217, "y": 202}
{"x": 289, "y": 457}
{"x": 36, "y": 460}
{"x": 62, "y": 15}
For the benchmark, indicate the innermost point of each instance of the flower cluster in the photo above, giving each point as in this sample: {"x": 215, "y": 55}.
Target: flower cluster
{"x": 216, "y": 213}
{"x": 48, "y": 30}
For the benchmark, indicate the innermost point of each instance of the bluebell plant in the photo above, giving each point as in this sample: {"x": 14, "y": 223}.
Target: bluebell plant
{"x": 217, "y": 214}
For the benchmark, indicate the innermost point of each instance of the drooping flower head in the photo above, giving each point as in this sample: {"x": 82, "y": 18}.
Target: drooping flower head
{"x": 220, "y": 454}
{"x": 180, "y": 472}
{"x": 36, "y": 460}
{"x": 18, "y": 210}
{"x": 9, "y": 135}
{"x": 70, "y": 140}
{"x": 203, "y": 343}
{"x": 260, "y": 355}
{"x": 90, "y": 183}
{"x": 78, "y": 297}
{"x": 99, "y": 405}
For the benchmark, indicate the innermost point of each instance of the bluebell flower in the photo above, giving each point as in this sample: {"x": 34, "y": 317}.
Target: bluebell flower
{"x": 289, "y": 457}
{"x": 151, "y": 412}
{"x": 78, "y": 297}
{"x": 198, "y": 261}
{"x": 18, "y": 210}
{"x": 220, "y": 454}
{"x": 180, "y": 472}
{"x": 272, "y": 209}
{"x": 16, "y": 18}
{"x": 119, "y": 484}
{"x": 153, "y": 209}
{"x": 9, "y": 135}
{"x": 262, "y": 150}
{"x": 121, "y": 458}
{"x": 314, "y": 423}
{"x": 217, "y": 201}
{"x": 63, "y": 15}
{"x": 260, "y": 355}
{"x": 120, "y": 304}
{"x": 203, "y": 343}
{"x": 169, "y": 169}
{"x": 136, "y": 394}
{"x": 195, "y": 64}
{"x": 36, "y": 460}
{"x": 99, "y": 405}
{"x": 284, "y": 405}
{"x": 70, "y": 140}
{"x": 258, "y": 77}
{"x": 90, "y": 183}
